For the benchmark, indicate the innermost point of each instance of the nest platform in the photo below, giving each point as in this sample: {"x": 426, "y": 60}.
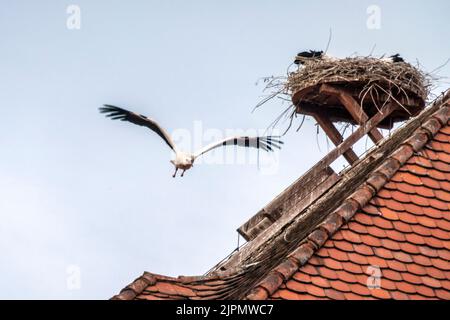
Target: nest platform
{"x": 320, "y": 84}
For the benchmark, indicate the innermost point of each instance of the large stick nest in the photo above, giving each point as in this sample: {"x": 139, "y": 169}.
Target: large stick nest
{"x": 372, "y": 82}
{"x": 400, "y": 77}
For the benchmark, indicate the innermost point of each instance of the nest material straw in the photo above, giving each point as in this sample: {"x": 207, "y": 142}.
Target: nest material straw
{"x": 365, "y": 70}
{"x": 370, "y": 77}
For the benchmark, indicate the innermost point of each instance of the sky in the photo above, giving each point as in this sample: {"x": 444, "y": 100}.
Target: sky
{"x": 87, "y": 204}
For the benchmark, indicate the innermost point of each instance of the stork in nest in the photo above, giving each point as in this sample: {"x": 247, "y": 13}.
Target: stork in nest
{"x": 393, "y": 59}
{"x": 311, "y": 55}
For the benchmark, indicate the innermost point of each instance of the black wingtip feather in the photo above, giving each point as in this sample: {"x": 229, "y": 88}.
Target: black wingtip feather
{"x": 113, "y": 112}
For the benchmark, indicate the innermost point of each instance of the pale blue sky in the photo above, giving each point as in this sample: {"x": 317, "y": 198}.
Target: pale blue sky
{"x": 77, "y": 189}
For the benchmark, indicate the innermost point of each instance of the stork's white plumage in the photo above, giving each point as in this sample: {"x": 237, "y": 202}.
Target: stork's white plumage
{"x": 184, "y": 160}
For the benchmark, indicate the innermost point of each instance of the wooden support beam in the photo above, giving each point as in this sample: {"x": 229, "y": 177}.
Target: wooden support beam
{"x": 292, "y": 204}
{"x": 335, "y": 114}
{"x": 291, "y": 201}
{"x": 355, "y": 136}
{"x": 334, "y": 135}
{"x": 285, "y": 218}
{"x": 353, "y": 107}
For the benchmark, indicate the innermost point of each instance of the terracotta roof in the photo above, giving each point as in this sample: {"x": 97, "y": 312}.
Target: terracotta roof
{"x": 151, "y": 286}
{"x": 388, "y": 216}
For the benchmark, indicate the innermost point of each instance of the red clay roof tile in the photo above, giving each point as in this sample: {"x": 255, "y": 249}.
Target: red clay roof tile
{"x": 272, "y": 282}
{"x": 328, "y": 273}
{"x": 434, "y": 243}
{"x": 296, "y": 286}
{"x": 429, "y": 252}
{"x": 405, "y": 287}
{"x": 363, "y": 249}
{"x": 407, "y": 216}
{"x": 392, "y": 275}
{"x": 416, "y": 269}
{"x": 430, "y": 183}
{"x": 396, "y": 265}
{"x": 395, "y": 235}
{"x": 357, "y": 227}
{"x": 395, "y": 205}
{"x": 290, "y": 295}
{"x": 352, "y": 268}
{"x": 442, "y": 294}
{"x": 335, "y": 295}
{"x": 440, "y": 205}
{"x": 340, "y": 286}
{"x": 357, "y": 258}
{"x": 352, "y": 296}
{"x": 389, "y": 214}
{"x": 343, "y": 245}
{"x": 377, "y": 232}
{"x": 315, "y": 291}
{"x": 443, "y": 224}
{"x": 384, "y": 253}
{"x": 445, "y": 185}
{"x": 309, "y": 269}
{"x": 302, "y": 277}
{"x": 441, "y": 264}
{"x": 371, "y": 210}
{"x": 320, "y": 282}
{"x": 434, "y": 213}
{"x": 402, "y": 226}
{"x": 393, "y": 245}
{"x": 347, "y": 277}
{"x": 441, "y": 166}
{"x": 377, "y": 261}
{"x": 398, "y": 295}
{"x": 371, "y": 241}
{"x": 403, "y": 257}
{"x": 333, "y": 264}
{"x": 440, "y": 234}
{"x": 436, "y": 273}
{"x": 422, "y": 260}
{"x": 360, "y": 289}
{"x": 414, "y": 239}
{"x": 387, "y": 284}
{"x": 411, "y": 278}
{"x": 444, "y": 254}
{"x": 445, "y": 284}
{"x": 431, "y": 282}
{"x": 380, "y": 293}
{"x": 421, "y": 230}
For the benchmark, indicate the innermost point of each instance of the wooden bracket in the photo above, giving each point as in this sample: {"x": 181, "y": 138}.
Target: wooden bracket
{"x": 334, "y": 135}
{"x": 353, "y": 107}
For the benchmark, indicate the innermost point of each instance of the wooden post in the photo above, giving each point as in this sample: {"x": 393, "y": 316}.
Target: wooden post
{"x": 353, "y": 107}
{"x": 334, "y": 135}
{"x": 355, "y": 136}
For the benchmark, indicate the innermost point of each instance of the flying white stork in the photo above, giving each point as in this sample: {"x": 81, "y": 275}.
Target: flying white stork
{"x": 184, "y": 160}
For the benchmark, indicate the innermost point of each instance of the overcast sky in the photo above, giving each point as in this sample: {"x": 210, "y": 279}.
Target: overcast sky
{"x": 88, "y": 204}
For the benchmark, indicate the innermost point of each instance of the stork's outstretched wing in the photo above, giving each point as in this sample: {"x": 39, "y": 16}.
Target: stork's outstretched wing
{"x": 117, "y": 113}
{"x": 267, "y": 143}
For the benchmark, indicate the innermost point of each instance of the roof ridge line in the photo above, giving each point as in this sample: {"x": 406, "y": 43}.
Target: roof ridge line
{"x": 357, "y": 200}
